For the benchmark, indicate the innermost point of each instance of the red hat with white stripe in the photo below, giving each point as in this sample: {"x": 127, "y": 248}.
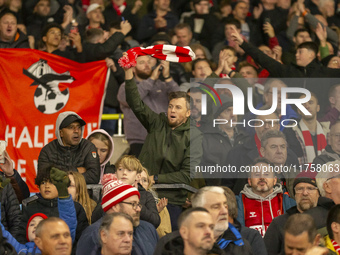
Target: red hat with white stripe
{"x": 115, "y": 191}
{"x": 170, "y": 53}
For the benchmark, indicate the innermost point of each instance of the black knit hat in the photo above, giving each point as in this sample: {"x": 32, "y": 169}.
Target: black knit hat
{"x": 223, "y": 107}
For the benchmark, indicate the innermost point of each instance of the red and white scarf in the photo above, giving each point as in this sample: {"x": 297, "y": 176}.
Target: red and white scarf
{"x": 308, "y": 142}
{"x": 119, "y": 9}
{"x": 336, "y": 246}
{"x": 170, "y": 53}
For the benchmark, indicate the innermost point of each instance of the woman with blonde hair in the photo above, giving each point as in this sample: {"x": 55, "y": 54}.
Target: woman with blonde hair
{"x": 78, "y": 191}
{"x": 105, "y": 147}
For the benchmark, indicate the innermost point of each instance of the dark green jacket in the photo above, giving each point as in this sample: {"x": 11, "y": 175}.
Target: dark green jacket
{"x": 170, "y": 153}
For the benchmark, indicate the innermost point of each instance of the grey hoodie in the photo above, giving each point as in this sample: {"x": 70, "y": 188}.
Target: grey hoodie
{"x": 60, "y": 119}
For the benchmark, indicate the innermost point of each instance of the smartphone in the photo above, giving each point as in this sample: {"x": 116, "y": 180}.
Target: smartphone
{"x": 2, "y": 151}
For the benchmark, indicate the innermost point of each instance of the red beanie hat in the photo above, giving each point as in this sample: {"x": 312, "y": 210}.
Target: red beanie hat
{"x": 115, "y": 191}
{"x": 30, "y": 219}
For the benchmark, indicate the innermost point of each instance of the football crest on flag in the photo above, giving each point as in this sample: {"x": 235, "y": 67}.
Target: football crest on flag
{"x": 50, "y": 96}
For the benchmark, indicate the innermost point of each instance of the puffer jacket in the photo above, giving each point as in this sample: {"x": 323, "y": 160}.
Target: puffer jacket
{"x": 69, "y": 158}
{"x": 10, "y": 210}
{"x": 168, "y": 153}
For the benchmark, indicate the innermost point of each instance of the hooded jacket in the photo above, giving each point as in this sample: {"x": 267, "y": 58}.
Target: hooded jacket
{"x": 260, "y": 206}
{"x": 68, "y": 158}
{"x": 168, "y": 153}
{"x": 105, "y": 167}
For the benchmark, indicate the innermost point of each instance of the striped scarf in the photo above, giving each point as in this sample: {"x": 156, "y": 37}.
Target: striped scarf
{"x": 170, "y": 53}
{"x": 308, "y": 142}
{"x": 336, "y": 246}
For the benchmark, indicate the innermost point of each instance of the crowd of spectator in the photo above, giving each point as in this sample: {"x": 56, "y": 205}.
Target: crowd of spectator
{"x": 249, "y": 45}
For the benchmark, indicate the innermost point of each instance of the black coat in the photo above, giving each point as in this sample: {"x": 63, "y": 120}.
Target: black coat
{"x": 172, "y": 244}
{"x": 274, "y": 237}
{"x": 10, "y": 210}
{"x": 20, "y": 40}
{"x": 326, "y": 156}
{"x": 49, "y": 207}
{"x": 276, "y": 69}
{"x": 69, "y": 158}
{"x": 216, "y": 146}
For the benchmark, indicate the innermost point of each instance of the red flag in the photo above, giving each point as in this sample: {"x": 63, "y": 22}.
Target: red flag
{"x": 35, "y": 88}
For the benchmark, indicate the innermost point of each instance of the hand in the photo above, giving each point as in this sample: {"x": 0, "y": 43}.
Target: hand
{"x": 68, "y": 15}
{"x": 268, "y": 29}
{"x": 301, "y": 6}
{"x": 257, "y": 11}
{"x": 31, "y": 41}
{"x": 235, "y": 36}
{"x": 136, "y": 7}
{"x": 160, "y": 22}
{"x": 125, "y": 27}
{"x": 166, "y": 68}
{"x": 295, "y": 9}
{"x": 111, "y": 64}
{"x": 221, "y": 62}
{"x": 81, "y": 169}
{"x": 155, "y": 73}
{"x": 7, "y": 167}
{"x": 162, "y": 203}
{"x": 321, "y": 33}
{"x": 277, "y": 53}
{"x": 284, "y": 4}
{"x": 76, "y": 39}
{"x": 317, "y": 250}
{"x": 60, "y": 179}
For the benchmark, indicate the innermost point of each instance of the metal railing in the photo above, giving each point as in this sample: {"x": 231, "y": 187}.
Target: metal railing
{"x": 96, "y": 188}
{"x": 115, "y": 116}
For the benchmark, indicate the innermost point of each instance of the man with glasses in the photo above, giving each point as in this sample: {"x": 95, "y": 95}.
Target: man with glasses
{"x": 332, "y": 150}
{"x": 307, "y": 198}
{"x": 70, "y": 152}
{"x": 120, "y": 198}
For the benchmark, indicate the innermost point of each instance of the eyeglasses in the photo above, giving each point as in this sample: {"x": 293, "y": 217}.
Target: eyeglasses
{"x": 300, "y": 190}
{"x": 335, "y": 176}
{"x": 134, "y": 205}
{"x": 337, "y": 135}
